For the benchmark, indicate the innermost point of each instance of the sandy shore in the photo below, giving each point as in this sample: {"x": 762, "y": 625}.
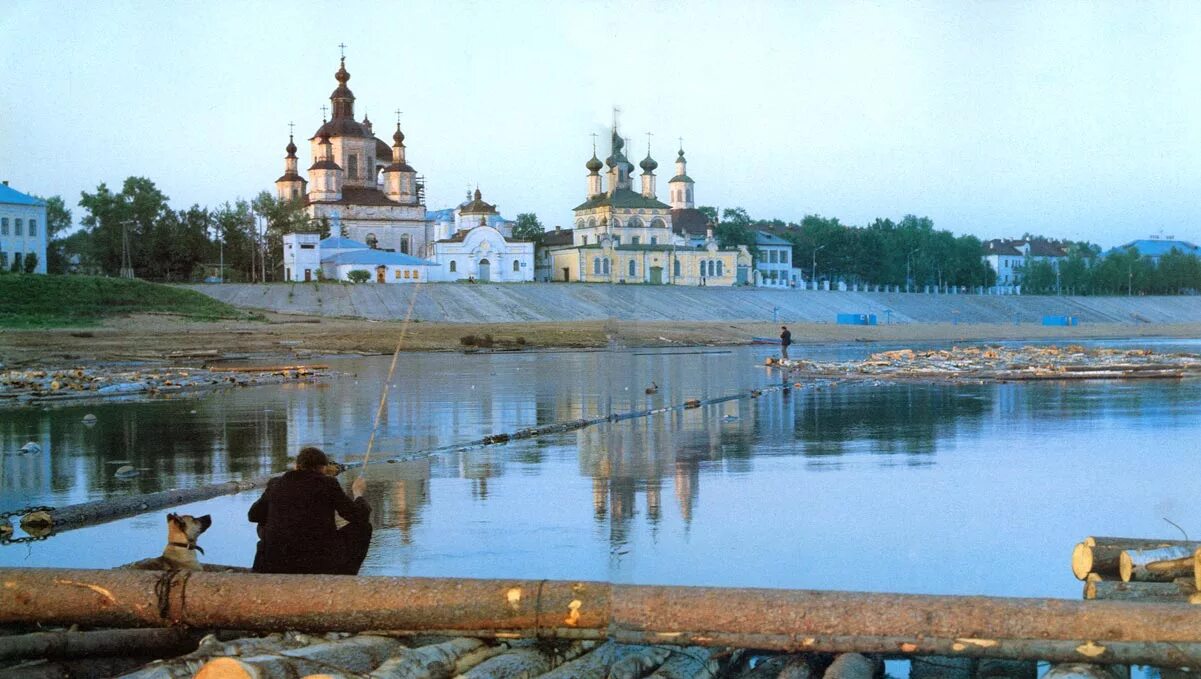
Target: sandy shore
{"x": 166, "y": 338}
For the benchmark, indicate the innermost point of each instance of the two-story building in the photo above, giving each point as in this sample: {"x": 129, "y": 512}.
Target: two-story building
{"x": 22, "y": 230}
{"x": 773, "y": 261}
{"x": 1008, "y": 258}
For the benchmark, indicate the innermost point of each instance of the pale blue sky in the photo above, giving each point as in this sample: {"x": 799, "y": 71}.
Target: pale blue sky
{"x": 1077, "y": 120}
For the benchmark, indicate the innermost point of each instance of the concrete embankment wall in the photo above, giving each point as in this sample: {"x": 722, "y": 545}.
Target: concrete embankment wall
{"x": 500, "y": 303}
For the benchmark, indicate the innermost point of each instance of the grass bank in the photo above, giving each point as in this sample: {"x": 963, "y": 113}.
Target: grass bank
{"x": 36, "y": 301}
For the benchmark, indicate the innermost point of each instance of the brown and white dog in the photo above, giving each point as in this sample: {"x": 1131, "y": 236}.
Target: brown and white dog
{"x": 180, "y": 553}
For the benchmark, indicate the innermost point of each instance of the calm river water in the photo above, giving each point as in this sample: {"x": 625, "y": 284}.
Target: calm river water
{"x": 972, "y": 489}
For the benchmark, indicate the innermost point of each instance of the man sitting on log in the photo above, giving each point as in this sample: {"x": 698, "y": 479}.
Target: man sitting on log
{"x": 296, "y": 521}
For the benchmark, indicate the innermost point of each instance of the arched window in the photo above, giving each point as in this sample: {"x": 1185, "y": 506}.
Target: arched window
{"x": 579, "y": 223}
{"x": 516, "y": 266}
{"x": 719, "y": 267}
{"x": 657, "y": 223}
{"x": 675, "y": 268}
{"x": 352, "y": 168}
{"x": 404, "y": 244}
{"x": 596, "y": 265}
{"x": 453, "y": 266}
{"x": 592, "y": 223}
{"x": 372, "y": 241}
{"x": 712, "y": 268}
{"x": 634, "y": 223}
{"x": 606, "y": 262}
{"x": 633, "y": 268}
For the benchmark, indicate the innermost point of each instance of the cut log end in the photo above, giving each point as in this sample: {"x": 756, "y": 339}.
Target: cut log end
{"x": 226, "y": 668}
{"x": 1082, "y": 560}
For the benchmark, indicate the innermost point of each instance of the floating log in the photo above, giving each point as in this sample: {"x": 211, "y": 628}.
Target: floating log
{"x": 126, "y": 642}
{"x": 788, "y": 666}
{"x": 1162, "y": 634}
{"x": 357, "y": 655}
{"x": 267, "y": 368}
{"x": 610, "y": 660}
{"x": 76, "y": 668}
{"x": 1162, "y": 564}
{"x": 1180, "y": 589}
{"x": 186, "y": 666}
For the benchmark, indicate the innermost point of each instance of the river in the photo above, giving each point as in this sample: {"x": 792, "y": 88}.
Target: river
{"x": 956, "y": 489}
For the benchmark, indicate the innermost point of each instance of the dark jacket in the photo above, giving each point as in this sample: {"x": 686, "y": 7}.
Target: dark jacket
{"x": 296, "y": 523}
{"x": 786, "y": 338}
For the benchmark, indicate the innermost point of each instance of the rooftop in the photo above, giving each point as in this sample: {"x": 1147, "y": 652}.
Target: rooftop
{"x": 370, "y": 257}
{"x": 339, "y": 242}
{"x": 12, "y": 196}
{"x": 621, "y": 198}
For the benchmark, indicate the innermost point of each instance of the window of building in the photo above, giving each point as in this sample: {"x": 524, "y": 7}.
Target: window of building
{"x": 783, "y": 256}
{"x": 719, "y": 268}
{"x": 633, "y": 268}
{"x": 596, "y": 265}
{"x": 712, "y": 268}
{"x": 606, "y": 263}
{"x": 617, "y": 240}
{"x": 17, "y": 227}
{"x": 634, "y": 223}
{"x": 453, "y": 266}
{"x": 516, "y": 266}
{"x": 404, "y": 245}
{"x": 654, "y": 240}
{"x": 396, "y": 274}
{"x": 771, "y": 257}
{"x": 353, "y": 166}
{"x": 4, "y": 226}
{"x": 17, "y": 260}
{"x": 33, "y": 227}
{"x": 635, "y": 240}
{"x": 415, "y": 274}
{"x": 585, "y": 240}
{"x": 306, "y": 246}
{"x": 372, "y": 241}
{"x": 408, "y": 274}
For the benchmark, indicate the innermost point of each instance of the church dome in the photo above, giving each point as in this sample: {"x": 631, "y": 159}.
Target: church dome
{"x": 595, "y": 164}
{"x": 291, "y": 147}
{"x": 648, "y": 164}
{"x": 399, "y": 137}
{"x": 342, "y": 75}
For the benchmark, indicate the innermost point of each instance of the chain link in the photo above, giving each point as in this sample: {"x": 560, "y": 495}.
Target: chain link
{"x": 7, "y": 539}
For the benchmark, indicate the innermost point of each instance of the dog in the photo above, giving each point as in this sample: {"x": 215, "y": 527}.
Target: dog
{"x": 180, "y": 553}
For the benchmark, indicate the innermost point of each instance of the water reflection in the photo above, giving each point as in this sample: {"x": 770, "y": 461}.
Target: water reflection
{"x": 784, "y": 490}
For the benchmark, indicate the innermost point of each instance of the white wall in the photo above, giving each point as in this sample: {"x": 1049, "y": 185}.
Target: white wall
{"x": 11, "y": 243}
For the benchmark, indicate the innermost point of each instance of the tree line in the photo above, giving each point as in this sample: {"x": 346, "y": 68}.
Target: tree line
{"x": 163, "y": 244}
{"x": 1121, "y": 271}
{"x": 906, "y": 252}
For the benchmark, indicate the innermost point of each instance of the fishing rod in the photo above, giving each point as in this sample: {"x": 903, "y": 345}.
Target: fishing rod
{"x": 383, "y": 397}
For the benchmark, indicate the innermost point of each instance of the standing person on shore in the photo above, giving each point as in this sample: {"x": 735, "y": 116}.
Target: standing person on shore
{"x": 296, "y": 521}
{"x": 785, "y": 342}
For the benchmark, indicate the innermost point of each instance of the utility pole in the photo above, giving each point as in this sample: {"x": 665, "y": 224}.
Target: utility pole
{"x": 909, "y": 269}
{"x": 814, "y": 274}
{"x": 126, "y": 257}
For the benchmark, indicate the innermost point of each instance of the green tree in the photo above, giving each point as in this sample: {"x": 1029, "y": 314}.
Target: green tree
{"x": 358, "y": 276}
{"x": 282, "y": 217}
{"x": 528, "y": 227}
{"x": 58, "y": 222}
{"x": 735, "y": 229}
{"x": 30, "y": 262}
{"x": 137, "y": 208}
{"x": 709, "y": 212}
{"x": 1038, "y": 276}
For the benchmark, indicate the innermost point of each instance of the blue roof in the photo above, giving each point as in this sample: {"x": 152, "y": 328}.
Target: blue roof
{"x": 14, "y": 197}
{"x": 448, "y": 215}
{"x": 342, "y": 243}
{"x": 375, "y": 258}
{"x": 765, "y": 238}
{"x": 1158, "y": 248}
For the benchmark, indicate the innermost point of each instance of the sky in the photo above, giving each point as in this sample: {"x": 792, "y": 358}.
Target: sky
{"x": 1077, "y": 120}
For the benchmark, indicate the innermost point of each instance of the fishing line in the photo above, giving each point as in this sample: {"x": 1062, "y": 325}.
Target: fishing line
{"x": 383, "y": 397}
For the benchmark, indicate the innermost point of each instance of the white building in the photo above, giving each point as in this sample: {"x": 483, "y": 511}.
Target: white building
{"x": 481, "y": 248}
{"x": 773, "y": 265}
{"x": 22, "y": 229}
{"x": 384, "y": 266}
{"x": 302, "y": 256}
{"x": 1008, "y": 258}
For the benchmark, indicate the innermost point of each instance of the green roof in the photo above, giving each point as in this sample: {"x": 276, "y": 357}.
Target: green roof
{"x": 681, "y": 178}
{"x": 622, "y": 198}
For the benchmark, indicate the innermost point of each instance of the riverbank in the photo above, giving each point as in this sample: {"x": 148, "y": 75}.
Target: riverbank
{"x": 170, "y": 339}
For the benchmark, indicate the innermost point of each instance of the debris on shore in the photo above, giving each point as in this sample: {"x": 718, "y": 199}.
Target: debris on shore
{"x": 995, "y": 363}
{"x": 21, "y": 387}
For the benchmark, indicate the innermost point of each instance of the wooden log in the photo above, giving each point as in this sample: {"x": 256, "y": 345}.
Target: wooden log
{"x": 186, "y": 666}
{"x": 522, "y": 663}
{"x": 691, "y": 662}
{"x": 356, "y": 655}
{"x": 126, "y": 642}
{"x": 942, "y": 667}
{"x": 851, "y": 666}
{"x": 1149, "y": 565}
{"x": 76, "y": 668}
{"x": 436, "y": 661}
{"x": 1180, "y": 589}
{"x": 993, "y": 668}
{"x": 1081, "y": 671}
{"x": 786, "y": 620}
{"x": 1101, "y": 555}
{"x": 639, "y": 661}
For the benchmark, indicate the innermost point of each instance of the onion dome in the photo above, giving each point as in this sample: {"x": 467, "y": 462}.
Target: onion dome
{"x": 398, "y": 137}
{"x": 648, "y": 164}
{"x": 342, "y": 75}
{"x": 680, "y": 157}
{"x": 595, "y": 164}
{"x": 291, "y": 147}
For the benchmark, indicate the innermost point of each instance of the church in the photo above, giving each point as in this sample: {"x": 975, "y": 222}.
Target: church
{"x": 622, "y": 235}
{"x": 366, "y": 192}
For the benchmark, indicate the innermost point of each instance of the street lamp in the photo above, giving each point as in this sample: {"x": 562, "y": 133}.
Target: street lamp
{"x": 814, "y": 274}
{"x": 908, "y": 270}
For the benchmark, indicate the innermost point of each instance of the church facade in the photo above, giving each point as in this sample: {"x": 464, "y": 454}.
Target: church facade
{"x": 361, "y": 185}
{"x": 622, "y": 235}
